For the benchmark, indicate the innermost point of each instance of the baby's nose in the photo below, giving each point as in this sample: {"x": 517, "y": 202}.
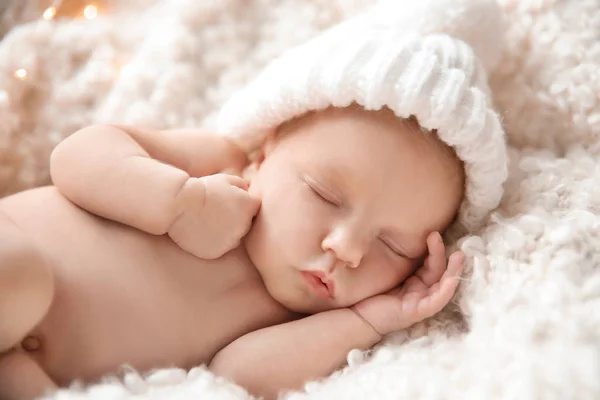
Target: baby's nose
{"x": 347, "y": 248}
{"x": 339, "y": 263}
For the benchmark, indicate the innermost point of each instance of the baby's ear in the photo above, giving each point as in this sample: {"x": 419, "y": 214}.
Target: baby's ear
{"x": 268, "y": 146}
{"x": 264, "y": 150}
{"x": 260, "y": 157}
{"x": 256, "y": 160}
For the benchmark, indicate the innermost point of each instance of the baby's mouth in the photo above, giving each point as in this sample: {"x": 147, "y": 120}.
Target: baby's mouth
{"x": 320, "y": 284}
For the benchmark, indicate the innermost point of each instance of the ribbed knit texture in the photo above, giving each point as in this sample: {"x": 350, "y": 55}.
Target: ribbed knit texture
{"x": 435, "y": 77}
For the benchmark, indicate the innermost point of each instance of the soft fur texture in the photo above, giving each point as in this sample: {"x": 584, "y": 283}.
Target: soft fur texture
{"x": 526, "y": 321}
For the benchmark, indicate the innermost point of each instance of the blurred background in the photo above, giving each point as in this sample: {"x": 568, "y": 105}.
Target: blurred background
{"x": 172, "y": 63}
{"x": 14, "y": 12}
{"x": 155, "y": 63}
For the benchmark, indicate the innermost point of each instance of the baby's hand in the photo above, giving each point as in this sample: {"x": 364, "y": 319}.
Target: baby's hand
{"x": 215, "y": 213}
{"x": 421, "y": 296}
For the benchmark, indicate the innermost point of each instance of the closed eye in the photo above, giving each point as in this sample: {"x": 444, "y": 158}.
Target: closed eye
{"x": 321, "y": 193}
{"x": 393, "y": 249}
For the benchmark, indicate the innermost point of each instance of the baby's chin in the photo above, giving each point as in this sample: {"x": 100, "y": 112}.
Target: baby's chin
{"x": 302, "y": 306}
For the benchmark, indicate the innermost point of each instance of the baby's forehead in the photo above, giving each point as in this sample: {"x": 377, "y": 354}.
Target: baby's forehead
{"x": 360, "y": 126}
{"x": 354, "y": 112}
{"x": 355, "y": 137}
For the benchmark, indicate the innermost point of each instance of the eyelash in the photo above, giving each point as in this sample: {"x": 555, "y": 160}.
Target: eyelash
{"x": 393, "y": 250}
{"x": 322, "y": 196}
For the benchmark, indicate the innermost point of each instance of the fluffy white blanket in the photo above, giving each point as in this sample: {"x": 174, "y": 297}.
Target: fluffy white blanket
{"x": 526, "y": 322}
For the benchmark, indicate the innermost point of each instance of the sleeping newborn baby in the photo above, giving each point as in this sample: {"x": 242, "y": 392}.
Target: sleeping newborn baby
{"x": 365, "y": 146}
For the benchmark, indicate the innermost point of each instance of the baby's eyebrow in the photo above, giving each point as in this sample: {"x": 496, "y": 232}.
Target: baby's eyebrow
{"x": 331, "y": 174}
{"x": 335, "y": 173}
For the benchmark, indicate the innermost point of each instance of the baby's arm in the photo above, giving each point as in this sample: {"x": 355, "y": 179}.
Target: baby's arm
{"x": 133, "y": 176}
{"x": 285, "y": 356}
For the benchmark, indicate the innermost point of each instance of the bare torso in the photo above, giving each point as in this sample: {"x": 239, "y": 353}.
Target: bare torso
{"x": 126, "y": 297}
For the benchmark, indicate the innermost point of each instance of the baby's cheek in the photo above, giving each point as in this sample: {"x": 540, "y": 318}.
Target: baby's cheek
{"x": 280, "y": 218}
{"x": 388, "y": 273}
{"x": 292, "y": 206}
{"x": 400, "y": 273}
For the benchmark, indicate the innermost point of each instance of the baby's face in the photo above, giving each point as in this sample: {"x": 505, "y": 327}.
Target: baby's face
{"x": 348, "y": 196}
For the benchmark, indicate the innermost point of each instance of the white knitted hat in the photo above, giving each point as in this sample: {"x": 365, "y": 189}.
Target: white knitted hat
{"x": 411, "y": 56}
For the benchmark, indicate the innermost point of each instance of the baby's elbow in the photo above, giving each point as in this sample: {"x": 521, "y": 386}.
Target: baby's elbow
{"x": 68, "y": 156}
{"x": 60, "y": 161}
{"x": 245, "y": 375}
{"x": 227, "y": 367}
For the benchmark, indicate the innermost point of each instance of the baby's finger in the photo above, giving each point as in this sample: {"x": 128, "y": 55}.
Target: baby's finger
{"x": 436, "y": 301}
{"x": 456, "y": 263}
{"x": 238, "y": 182}
{"x": 455, "y": 267}
{"x": 245, "y": 228}
{"x": 435, "y": 264}
{"x": 246, "y": 204}
{"x": 253, "y": 205}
